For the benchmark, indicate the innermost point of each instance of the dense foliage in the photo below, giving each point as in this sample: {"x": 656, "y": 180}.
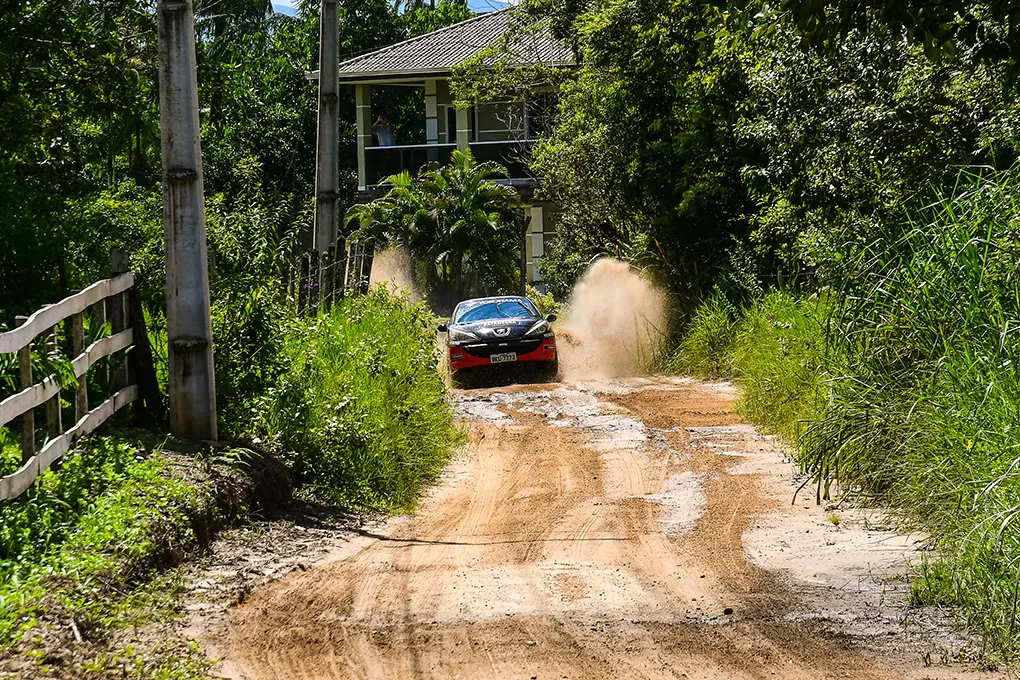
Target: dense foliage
{"x": 79, "y": 125}
{"x": 361, "y": 409}
{"x": 705, "y": 152}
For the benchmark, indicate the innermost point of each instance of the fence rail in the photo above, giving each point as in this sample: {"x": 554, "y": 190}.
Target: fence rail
{"x": 112, "y": 299}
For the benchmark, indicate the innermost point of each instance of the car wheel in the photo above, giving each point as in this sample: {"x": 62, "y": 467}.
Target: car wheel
{"x": 552, "y": 372}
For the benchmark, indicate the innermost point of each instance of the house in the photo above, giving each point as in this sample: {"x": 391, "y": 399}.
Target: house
{"x": 500, "y": 131}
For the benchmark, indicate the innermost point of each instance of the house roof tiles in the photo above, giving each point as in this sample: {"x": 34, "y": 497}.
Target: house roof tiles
{"x": 438, "y": 52}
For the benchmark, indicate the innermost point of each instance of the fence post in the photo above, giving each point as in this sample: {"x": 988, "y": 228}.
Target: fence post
{"x": 54, "y": 424}
{"x": 81, "y": 391}
{"x": 326, "y": 278}
{"x": 367, "y": 257}
{"x": 143, "y": 366}
{"x": 28, "y": 418}
{"x": 302, "y": 300}
{"x": 118, "y": 317}
{"x": 351, "y": 276}
{"x": 359, "y": 263}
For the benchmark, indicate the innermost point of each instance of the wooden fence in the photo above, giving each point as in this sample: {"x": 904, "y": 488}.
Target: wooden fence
{"x": 318, "y": 280}
{"x": 112, "y": 300}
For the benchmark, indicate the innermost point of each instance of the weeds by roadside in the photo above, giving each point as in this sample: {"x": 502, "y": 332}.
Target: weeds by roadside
{"x": 901, "y": 384}
{"x": 83, "y": 554}
{"x": 361, "y": 412}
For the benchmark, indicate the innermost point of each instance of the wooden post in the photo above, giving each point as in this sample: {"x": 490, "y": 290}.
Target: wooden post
{"x": 192, "y": 380}
{"x": 327, "y": 175}
{"x": 149, "y": 407}
{"x": 326, "y": 278}
{"x": 119, "y": 264}
{"x": 28, "y": 418}
{"x": 340, "y": 274}
{"x": 54, "y": 424}
{"x": 81, "y": 391}
{"x": 302, "y": 300}
{"x": 313, "y": 282}
{"x": 366, "y": 268}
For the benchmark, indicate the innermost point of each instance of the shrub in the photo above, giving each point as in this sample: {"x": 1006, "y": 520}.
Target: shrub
{"x": 361, "y": 410}
{"x": 774, "y": 347}
{"x": 86, "y": 534}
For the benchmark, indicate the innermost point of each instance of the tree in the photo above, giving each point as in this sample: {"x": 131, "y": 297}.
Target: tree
{"x": 644, "y": 161}
{"x": 463, "y": 229}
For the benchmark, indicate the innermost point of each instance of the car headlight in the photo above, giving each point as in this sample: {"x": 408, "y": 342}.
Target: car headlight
{"x": 540, "y": 328}
{"x": 461, "y": 336}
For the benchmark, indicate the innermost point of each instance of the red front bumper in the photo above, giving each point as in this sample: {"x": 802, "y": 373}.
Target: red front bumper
{"x": 459, "y": 358}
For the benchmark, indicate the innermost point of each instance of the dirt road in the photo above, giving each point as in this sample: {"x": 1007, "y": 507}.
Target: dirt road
{"x": 613, "y": 529}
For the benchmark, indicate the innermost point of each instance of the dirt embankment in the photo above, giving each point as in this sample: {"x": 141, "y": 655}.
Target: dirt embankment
{"x": 612, "y": 529}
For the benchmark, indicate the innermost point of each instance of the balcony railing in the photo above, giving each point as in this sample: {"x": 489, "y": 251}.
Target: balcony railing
{"x": 383, "y": 161}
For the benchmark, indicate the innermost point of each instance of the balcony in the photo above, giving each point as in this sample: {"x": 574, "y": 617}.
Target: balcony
{"x": 383, "y": 161}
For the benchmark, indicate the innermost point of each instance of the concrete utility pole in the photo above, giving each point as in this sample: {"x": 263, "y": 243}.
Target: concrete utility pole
{"x": 327, "y": 185}
{"x": 189, "y": 328}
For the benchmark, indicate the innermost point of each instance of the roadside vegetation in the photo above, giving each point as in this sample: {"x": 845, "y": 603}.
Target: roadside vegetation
{"x": 84, "y": 556}
{"x": 360, "y": 412}
{"x": 900, "y": 387}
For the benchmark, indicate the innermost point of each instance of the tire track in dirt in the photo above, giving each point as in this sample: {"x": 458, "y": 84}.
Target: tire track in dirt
{"x": 549, "y": 557}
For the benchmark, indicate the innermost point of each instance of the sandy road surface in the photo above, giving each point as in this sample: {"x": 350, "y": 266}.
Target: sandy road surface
{"x": 618, "y": 529}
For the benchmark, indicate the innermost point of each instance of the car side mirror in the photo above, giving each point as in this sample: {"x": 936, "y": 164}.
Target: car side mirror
{"x": 550, "y": 318}
{"x": 443, "y": 328}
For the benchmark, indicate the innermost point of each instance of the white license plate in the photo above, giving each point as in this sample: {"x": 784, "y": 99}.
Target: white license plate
{"x": 504, "y": 358}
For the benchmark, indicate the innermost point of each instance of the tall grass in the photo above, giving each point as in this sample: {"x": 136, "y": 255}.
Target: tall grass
{"x": 925, "y": 409}
{"x": 902, "y": 385}
{"x": 83, "y": 537}
{"x": 774, "y": 347}
{"x": 361, "y": 409}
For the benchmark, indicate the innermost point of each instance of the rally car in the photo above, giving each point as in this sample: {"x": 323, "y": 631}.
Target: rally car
{"x": 505, "y": 330}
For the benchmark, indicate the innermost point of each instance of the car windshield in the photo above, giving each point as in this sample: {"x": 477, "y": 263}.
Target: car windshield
{"x": 495, "y": 309}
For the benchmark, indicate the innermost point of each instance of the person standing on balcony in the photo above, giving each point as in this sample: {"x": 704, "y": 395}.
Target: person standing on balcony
{"x": 384, "y": 131}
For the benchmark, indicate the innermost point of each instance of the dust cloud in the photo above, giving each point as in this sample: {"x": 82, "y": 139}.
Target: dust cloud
{"x": 614, "y": 323}
{"x": 393, "y": 268}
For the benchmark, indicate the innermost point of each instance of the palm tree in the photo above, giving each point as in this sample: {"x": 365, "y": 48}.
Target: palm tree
{"x": 463, "y": 227}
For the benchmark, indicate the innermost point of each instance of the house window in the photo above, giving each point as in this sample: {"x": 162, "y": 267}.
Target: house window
{"x": 451, "y": 125}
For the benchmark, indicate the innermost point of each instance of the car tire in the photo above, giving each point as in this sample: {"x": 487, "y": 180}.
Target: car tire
{"x": 552, "y": 372}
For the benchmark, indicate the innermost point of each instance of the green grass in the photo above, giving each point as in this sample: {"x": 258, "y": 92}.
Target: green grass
{"x": 89, "y": 543}
{"x": 774, "y": 348}
{"x": 361, "y": 411}
{"x": 355, "y": 405}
